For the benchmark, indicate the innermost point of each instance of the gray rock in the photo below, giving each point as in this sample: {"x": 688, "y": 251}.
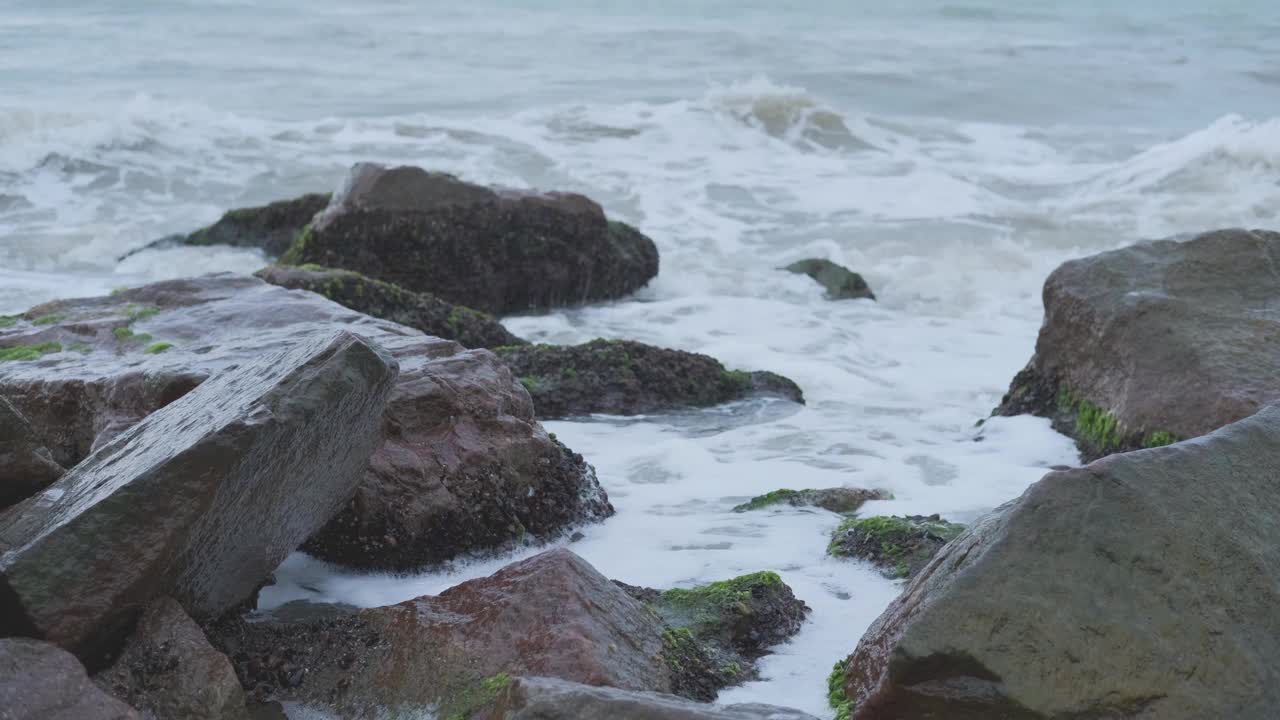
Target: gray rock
{"x": 26, "y": 466}
{"x": 843, "y": 500}
{"x": 495, "y": 250}
{"x": 840, "y": 282}
{"x": 1158, "y": 341}
{"x": 168, "y": 669}
{"x": 1140, "y": 586}
{"x": 538, "y": 698}
{"x": 39, "y": 681}
{"x": 201, "y": 500}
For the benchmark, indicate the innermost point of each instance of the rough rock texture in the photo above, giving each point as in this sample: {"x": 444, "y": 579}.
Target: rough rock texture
{"x": 464, "y": 466}
{"x": 201, "y": 500}
{"x": 39, "y": 681}
{"x": 1155, "y": 342}
{"x": 841, "y": 283}
{"x": 431, "y": 315}
{"x": 499, "y": 251}
{"x": 1140, "y": 586}
{"x": 900, "y": 546}
{"x": 552, "y": 614}
{"x": 536, "y": 698}
{"x": 168, "y": 669}
{"x": 838, "y": 500}
{"x": 730, "y": 624}
{"x": 26, "y": 466}
{"x": 620, "y": 377}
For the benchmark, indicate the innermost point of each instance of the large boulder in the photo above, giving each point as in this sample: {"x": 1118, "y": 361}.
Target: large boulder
{"x": 463, "y": 466}
{"x": 552, "y": 614}
{"x": 426, "y": 312}
{"x": 540, "y": 698}
{"x": 168, "y": 669}
{"x": 201, "y": 500}
{"x": 621, "y": 377}
{"x": 495, "y": 250}
{"x": 26, "y": 466}
{"x": 1141, "y": 586}
{"x": 39, "y": 681}
{"x": 271, "y": 228}
{"x": 1158, "y": 341}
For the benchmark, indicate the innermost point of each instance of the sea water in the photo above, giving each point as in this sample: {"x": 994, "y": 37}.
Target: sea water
{"x": 953, "y": 153}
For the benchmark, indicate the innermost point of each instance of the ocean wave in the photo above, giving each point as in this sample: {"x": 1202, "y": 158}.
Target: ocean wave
{"x": 788, "y": 113}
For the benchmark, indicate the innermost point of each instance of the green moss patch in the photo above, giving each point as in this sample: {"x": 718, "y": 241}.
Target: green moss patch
{"x": 759, "y": 502}
{"x": 157, "y": 348}
{"x": 298, "y": 250}
{"x": 49, "y": 319}
{"x": 1100, "y": 432}
{"x": 899, "y": 545}
{"x": 29, "y": 352}
{"x": 715, "y": 599}
{"x": 136, "y": 312}
{"x": 836, "y": 696}
{"x": 8, "y": 321}
{"x": 126, "y": 334}
{"x": 478, "y": 697}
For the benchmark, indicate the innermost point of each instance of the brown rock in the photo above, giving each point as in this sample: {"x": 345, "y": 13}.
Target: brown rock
{"x": 39, "y": 681}
{"x": 26, "y": 466}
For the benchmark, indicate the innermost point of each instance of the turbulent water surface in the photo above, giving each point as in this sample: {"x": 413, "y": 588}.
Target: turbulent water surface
{"x": 953, "y": 152}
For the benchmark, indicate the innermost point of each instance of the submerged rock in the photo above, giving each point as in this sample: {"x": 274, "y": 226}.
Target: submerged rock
{"x": 838, "y": 500}
{"x": 840, "y": 282}
{"x": 538, "y": 698}
{"x": 1142, "y": 585}
{"x": 168, "y": 669}
{"x": 552, "y": 614}
{"x": 499, "y": 251}
{"x": 1158, "y": 341}
{"x": 39, "y": 681}
{"x": 423, "y": 311}
{"x": 201, "y": 500}
{"x": 463, "y": 466}
{"x": 26, "y": 466}
{"x": 900, "y": 546}
{"x": 621, "y": 377}
{"x": 271, "y": 228}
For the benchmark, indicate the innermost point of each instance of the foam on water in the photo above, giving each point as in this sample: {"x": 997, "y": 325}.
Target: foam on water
{"x": 954, "y": 168}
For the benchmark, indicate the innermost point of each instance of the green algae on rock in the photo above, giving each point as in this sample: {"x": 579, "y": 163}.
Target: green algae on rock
{"x": 900, "y": 546}
{"x": 838, "y": 500}
{"x": 271, "y": 228}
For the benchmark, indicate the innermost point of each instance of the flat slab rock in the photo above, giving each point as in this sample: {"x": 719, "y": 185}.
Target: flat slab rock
{"x": 1140, "y": 586}
{"x": 537, "y": 698}
{"x": 622, "y": 377}
{"x": 201, "y": 500}
{"x": 463, "y": 466}
{"x": 39, "y": 681}
{"x": 1158, "y": 341}
{"x": 492, "y": 249}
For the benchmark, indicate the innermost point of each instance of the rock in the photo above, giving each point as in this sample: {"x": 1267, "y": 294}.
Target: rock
{"x": 726, "y": 625}
{"x": 423, "y": 311}
{"x": 39, "y": 681}
{"x": 841, "y": 283}
{"x": 26, "y": 467}
{"x": 1142, "y": 585}
{"x": 168, "y": 669}
{"x": 900, "y": 546}
{"x": 552, "y": 614}
{"x": 620, "y": 377}
{"x": 537, "y": 698}
{"x": 201, "y": 500}
{"x": 1158, "y": 341}
{"x": 463, "y": 467}
{"x": 498, "y": 251}
{"x": 271, "y": 228}
{"x": 838, "y": 500}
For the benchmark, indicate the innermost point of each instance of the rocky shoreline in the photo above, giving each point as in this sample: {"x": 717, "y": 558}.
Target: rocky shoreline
{"x": 164, "y": 448}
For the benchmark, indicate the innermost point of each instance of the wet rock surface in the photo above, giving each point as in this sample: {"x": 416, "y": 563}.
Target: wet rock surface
{"x": 422, "y": 311}
{"x": 537, "y": 698}
{"x": 1158, "y": 341}
{"x": 1138, "y": 586}
{"x": 621, "y": 377}
{"x": 498, "y": 251}
{"x": 39, "y": 681}
{"x": 271, "y": 228}
{"x": 201, "y": 500}
{"x": 463, "y": 467}
{"x": 168, "y": 669}
{"x": 842, "y": 500}
{"x": 840, "y": 282}
{"x": 26, "y": 466}
{"x": 899, "y": 546}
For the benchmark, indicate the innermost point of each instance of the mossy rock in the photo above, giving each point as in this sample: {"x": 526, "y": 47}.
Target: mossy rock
{"x": 840, "y": 282}
{"x": 837, "y": 500}
{"x": 621, "y": 377}
{"x": 471, "y": 328}
{"x": 837, "y": 697}
{"x": 271, "y": 228}
{"x": 900, "y": 546}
